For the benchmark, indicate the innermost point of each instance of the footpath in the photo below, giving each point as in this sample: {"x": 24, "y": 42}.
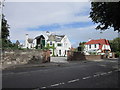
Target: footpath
{"x": 49, "y": 64}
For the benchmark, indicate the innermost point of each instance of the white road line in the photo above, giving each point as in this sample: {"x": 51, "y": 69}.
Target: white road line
{"x": 110, "y": 72}
{"x": 62, "y": 83}
{"x": 55, "y": 85}
{"x": 103, "y": 73}
{"x": 96, "y": 75}
{"x": 43, "y": 87}
{"x": 73, "y": 80}
{"x": 86, "y": 77}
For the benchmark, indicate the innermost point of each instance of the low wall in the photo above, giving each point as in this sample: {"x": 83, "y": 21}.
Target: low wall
{"x": 24, "y": 56}
{"x": 93, "y": 57}
{"x": 76, "y": 56}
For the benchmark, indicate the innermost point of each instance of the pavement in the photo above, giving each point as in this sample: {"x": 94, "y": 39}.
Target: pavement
{"x": 55, "y": 61}
{"x": 75, "y": 74}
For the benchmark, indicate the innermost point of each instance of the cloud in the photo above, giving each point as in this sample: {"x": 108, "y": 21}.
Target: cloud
{"x": 75, "y": 35}
{"x": 35, "y": 14}
{"x": 35, "y": 18}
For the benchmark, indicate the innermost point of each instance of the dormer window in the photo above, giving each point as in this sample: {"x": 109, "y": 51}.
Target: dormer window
{"x": 59, "y": 44}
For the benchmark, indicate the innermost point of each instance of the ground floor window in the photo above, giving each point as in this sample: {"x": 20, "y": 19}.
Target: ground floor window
{"x": 59, "y": 52}
{"x": 65, "y": 52}
{"x": 50, "y": 52}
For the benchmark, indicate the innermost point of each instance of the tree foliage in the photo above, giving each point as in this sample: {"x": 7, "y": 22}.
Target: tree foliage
{"x": 5, "y": 33}
{"x": 81, "y": 45}
{"x": 115, "y": 44}
{"x": 106, "y": 14}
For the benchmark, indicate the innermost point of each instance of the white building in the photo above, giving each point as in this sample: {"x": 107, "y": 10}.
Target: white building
{"x": 98, "y": 46}
{"x": 61, "y": 44}
{"x": 57, "y": 44}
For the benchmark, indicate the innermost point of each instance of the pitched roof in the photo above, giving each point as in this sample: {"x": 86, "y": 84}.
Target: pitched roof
{"x": 17, "y": 42}
{"x": 98, "y": 41}
{"x": 30, "y": 40}
{"x": 56, "y": 38}
{"x": 41, "y": 36}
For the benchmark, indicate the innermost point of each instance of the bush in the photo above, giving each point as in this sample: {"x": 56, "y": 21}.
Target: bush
{"x": 117, "y": 54}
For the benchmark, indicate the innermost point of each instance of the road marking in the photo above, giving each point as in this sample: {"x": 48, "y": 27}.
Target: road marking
{"x": 103, "y": 73}
{"x": 73, "y": 80}
{"x": 87, "y": 77}
{"x": 55, "y": 85}
{"x": 43, "y": 87}
{"x": 62, "y": 83}
{"x": 96, "y": 75}
{"x": 110, "y": 72}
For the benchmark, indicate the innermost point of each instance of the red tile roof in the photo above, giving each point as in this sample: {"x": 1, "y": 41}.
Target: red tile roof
{"x": 98, "y": 41}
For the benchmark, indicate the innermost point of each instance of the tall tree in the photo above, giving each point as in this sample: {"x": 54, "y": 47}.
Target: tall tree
{"x": 106, "y": 14}
{"x": 5, "y": 33}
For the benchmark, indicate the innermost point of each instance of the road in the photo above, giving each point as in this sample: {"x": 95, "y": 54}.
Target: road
{"x": 79, "y": 74}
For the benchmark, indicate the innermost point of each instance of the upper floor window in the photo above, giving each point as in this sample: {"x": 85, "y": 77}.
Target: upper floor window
{"x": 50, "y": 43}
{"x": 90, "y": 46}
{"x": 59, "y": 44}
{"x": 95, "y": 46}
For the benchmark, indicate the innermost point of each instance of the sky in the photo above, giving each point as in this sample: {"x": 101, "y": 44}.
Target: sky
{"x": 68, "y": 18}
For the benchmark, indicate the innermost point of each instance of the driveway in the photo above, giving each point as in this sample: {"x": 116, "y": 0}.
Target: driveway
{"x": 59, "y": 59}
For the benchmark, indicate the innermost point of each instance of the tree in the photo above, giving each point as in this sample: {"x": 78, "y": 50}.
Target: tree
{"x": 48, "y": 47}
{"x": 106, "y": 14}
{"x": 81, "y": 46}
{"x": 115, "y": 44}
{"x": 5, "y": 33}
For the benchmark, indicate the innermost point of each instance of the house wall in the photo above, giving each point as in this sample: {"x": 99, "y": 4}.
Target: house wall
{"x": 106, "y": 47}
{"x": 87, "y": 48}
{"x": 66, "y": 45}
{"x": 26, "y": 41}
{"x": 29, "y": 45}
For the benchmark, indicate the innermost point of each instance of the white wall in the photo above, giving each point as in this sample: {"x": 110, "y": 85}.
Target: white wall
{"x": 87, "y": 48}
{"x": 106, "y": 47}
{"x": 66, "y": 45}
